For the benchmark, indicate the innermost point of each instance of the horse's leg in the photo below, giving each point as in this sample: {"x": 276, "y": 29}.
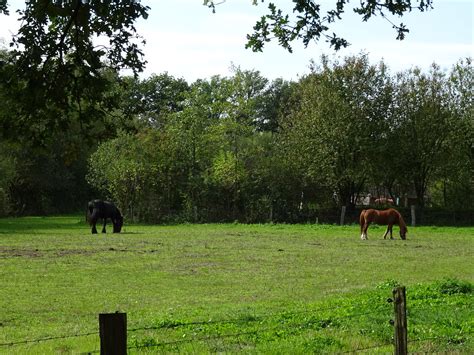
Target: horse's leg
{"x": 386, "y": 232}
{"x": 363, "y": 225}
{"x": 94, "y": 229}
{"x": 391, "y": 228}
{"x": 93, "y": 221}
{"x": 114, "y": 223}
{"x": 105, "y": 222}
{"x": 364, "y": 231}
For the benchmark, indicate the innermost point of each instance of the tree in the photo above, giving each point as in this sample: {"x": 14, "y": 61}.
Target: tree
{"x": 57, "y": 66}
{"x": 150, "y": 100}
{"x": 7, "y": 176}
{"x": 335, "y": 133}
{"x": 230, "y": 107}
{"x": 310, "y": 23}
{"x": 458, "y": 173}
{"x": 274, "y": 105}
{"x": 48, "y": 177}
{"x": 425, "y": 128}
{"x": 120, "y": 171}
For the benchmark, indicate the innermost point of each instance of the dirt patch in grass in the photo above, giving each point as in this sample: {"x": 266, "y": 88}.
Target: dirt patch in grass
{"x": 6, "y": 252}
{"x": 16, "y": 252}
{"x": 37, "y": 253}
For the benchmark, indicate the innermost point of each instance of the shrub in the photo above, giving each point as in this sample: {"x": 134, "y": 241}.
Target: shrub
{"x": 454, "y": 286}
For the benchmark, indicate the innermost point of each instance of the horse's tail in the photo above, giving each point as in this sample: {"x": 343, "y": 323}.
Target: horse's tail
{"x": 89, "y": 211}
{"x": 362, "y": 220}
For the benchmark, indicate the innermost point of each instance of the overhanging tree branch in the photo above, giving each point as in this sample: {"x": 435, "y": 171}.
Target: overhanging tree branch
{"x": 308, "y": 23}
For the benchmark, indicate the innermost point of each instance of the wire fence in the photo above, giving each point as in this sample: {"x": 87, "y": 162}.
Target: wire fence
{"x": 203, "y": 338}
{"x": 236, "y": 335}
{"x": 39, "y": 340}
{"x": 428, "y": 216}
{"x": 245, "y": 335}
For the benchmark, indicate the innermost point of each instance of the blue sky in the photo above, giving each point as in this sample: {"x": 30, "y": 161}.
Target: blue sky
{"x": 185, "y": 39}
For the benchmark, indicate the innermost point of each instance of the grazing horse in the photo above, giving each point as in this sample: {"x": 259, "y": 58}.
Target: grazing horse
{"x": 98, "y": 209}
{"x": 386, "y": 217}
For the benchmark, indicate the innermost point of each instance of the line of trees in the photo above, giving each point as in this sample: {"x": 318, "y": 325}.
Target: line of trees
{"x": 249, "y": 149}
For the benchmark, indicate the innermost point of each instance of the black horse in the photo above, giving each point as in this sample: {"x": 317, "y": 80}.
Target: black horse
{"x": 98, "y": 209}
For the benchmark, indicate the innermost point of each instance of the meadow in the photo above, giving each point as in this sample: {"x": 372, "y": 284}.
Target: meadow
{"x": 232, "y": 287}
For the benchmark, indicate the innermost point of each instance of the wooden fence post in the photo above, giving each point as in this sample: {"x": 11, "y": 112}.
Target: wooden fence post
{"x": 413, "y": 215}
{"x": 113, "y": 333}
{"x": 343, "y": 215}
{"x": 400, "y": 322}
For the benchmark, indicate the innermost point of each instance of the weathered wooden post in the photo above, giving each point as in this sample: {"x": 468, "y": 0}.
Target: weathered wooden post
{"x": 400, "y": 321}
{"x": 413, "y": 215}
{"x": 113, "y": 333}
{"x": 343, "y": 215}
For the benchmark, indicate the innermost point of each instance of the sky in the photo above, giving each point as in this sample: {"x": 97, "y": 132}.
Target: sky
{"x": 187, "y": 40}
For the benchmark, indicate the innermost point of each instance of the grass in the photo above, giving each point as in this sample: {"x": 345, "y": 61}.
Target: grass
{"x": 232, "y": 287}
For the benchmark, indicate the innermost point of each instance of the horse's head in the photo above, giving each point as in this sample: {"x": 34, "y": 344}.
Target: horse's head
{"x": 403, "y": 232}
{"x": 118, "y": 223}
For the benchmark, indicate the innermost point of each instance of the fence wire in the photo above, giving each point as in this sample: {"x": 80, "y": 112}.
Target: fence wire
{"x": 262, "y": 330}
{"x": 200, "y": 339}
{"x": 245, "y": 320}
{"x": 315, "y": 315}
{"x": 239, "y": 334}
{"x": 188, "y": 324}
{"x": 23, "y": 342}
{"x": 372, "y": 347}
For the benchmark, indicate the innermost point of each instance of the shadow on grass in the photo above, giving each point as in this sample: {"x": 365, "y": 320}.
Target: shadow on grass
{"x": 27, "y": 224}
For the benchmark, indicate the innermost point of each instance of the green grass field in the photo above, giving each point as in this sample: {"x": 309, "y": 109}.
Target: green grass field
{"x": 232, "y": 287}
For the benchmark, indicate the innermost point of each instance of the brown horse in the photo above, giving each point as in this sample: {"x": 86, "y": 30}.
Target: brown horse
{"x": 386, "y": 217}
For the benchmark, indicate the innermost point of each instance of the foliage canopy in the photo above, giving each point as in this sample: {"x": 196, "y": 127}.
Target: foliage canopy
{"x": 57, "y": 67}
{"x": 310, "y": 23}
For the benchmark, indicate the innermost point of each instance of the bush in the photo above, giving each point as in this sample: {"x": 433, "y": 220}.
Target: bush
{"x": 454, "y": 286}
